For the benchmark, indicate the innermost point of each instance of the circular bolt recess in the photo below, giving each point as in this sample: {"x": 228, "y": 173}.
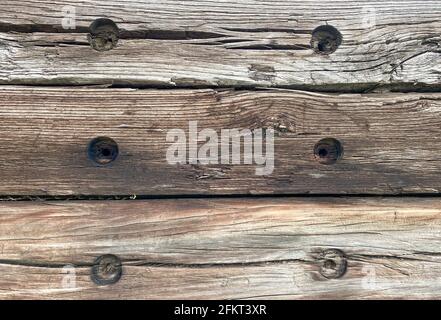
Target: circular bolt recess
{"x": 104, "y": 34}
{"x": 326, "y": 39}
{"x": 328, "y": 151}
{"x": 106, "y": 270}
{"x": 103, "y": 150}
{"x": 333, "y": 264}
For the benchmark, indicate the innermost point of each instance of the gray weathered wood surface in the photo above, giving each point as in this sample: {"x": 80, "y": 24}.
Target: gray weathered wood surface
{"x": 224, "y": 43}
{"x": 229, "y": 249}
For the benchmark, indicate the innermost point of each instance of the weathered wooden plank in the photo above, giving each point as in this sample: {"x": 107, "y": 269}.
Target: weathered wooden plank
{"x": 390, "y": 141}
{"x": 227, "y": 248}
{"x": 223, "y": 43}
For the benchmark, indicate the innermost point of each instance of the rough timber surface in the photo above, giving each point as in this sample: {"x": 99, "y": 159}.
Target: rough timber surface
{"x": 225, "y": 249}
{"x": 390, "y": 141}
{"x": 224, "y": 43}
{"x": 226, "y": 64}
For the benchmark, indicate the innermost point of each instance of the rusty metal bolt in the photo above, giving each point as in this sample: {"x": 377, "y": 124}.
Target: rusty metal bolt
{"x": 104, "y": 35}
{"x": 106, "y": 270}
{"x": 333, "y": 264}
{"x": 326, "y": 39}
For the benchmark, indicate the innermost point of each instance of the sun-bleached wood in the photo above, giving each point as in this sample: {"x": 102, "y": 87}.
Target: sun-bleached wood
{"x": 224, "y": 43}
{"x": 390, "y": 141}
{"x": 224, "y": 248}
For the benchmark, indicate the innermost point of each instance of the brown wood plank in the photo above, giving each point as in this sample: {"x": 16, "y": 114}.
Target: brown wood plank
{"x": 224, "y": 43}
{"x": 225, "y": 248}
{"x": 390, "y": 141}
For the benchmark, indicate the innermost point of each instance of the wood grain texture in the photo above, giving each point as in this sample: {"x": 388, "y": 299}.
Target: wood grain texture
{"x": 390, "y": 141}
{"x": 225, "y": 249}
{"x": 224, "y": 43}
{"x": 221, "y": 248}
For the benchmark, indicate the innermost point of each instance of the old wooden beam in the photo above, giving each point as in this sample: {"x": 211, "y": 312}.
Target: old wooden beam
{"x": 390, "y": 142}
{"x": 230, "y": 249}
{"x": 226, "y": 43}
{"x": 92, "y": 91}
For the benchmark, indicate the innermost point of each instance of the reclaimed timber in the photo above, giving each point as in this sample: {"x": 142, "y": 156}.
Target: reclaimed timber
{"x": 390, "y": 141}
{"x": 89, "y": 91}
{"x": 224, "y": 43}
{"x": 268, "y": 248}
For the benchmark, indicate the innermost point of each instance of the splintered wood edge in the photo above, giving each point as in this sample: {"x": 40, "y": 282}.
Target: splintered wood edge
{"x": 344, "y": 144}
{"x": 389, "y": 43}
{"x": 224, "y": 248}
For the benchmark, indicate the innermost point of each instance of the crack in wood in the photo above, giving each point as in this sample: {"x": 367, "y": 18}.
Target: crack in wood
{"x": 38, "y": 28}
{"x": 153, "y": 34}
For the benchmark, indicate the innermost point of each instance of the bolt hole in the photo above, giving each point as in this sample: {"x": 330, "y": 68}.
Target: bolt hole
{"x": 106, "y": 152}
{"x": 103, "y": 150}
{"x": 104, "y": 34}
{"x": 323, "y": 153}
{"x": 334, "y": 264}
{"x": 329, "y": 264}
{"x": 106, "y": 270}
{"x": 326, "y": 39}
{"x": 328, "y": 151}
